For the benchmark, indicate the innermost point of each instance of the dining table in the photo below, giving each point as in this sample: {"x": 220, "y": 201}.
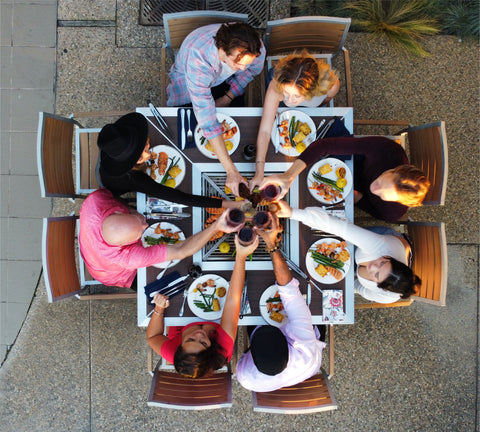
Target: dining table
{"x": 204, "y": 175}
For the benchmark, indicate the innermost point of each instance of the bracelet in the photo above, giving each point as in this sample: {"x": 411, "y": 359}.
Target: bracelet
{"x": 272, "y": 250}
{"x": 158, "y": 313}
{"x": 227, "y": 95}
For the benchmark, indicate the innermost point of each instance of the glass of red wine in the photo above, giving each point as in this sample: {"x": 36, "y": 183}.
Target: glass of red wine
{"x": 235, "y": 218}
{"x": 246, "y": 236}
{"x": 262, "y": 220}
{"x": 271, "y": 192}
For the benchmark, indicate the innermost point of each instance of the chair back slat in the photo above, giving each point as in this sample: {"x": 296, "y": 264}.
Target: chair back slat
{"x": 58, "y": 256}
{"x": 429, "y": 152}
{"x": 312, "y": 395}
{"x": 315, "y": 33}
{"x": 430, "y": 260}
{"x": 179, "y": 25}
{"x": 87, "y": 158}
{"x": 172, "y": 390}
{"x": 54, "y": 147}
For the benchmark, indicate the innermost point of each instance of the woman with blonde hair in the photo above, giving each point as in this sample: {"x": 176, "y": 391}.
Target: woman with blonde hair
{"x": 298, "y": 80}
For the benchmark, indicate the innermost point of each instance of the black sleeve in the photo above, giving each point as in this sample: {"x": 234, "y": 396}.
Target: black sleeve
{"x": 138, "y": 181}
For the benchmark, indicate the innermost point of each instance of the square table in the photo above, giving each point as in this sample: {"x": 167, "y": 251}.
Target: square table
{"x": 260, "y": 273}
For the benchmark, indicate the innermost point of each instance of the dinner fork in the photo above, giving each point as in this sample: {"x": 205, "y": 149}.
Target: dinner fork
{"x": 189, "y": 132}
{"x": 185, "y": 294}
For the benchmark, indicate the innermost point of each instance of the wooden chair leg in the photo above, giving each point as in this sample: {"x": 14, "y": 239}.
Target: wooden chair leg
{"x": 331, "y": 352}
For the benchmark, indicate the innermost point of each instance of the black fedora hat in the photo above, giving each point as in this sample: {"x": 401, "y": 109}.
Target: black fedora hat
{"x": 121, "y": 143}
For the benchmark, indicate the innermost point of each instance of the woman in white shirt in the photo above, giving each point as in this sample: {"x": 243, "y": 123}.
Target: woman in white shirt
{"x": 298, "y": 80}
{"x": 383, "y": 274}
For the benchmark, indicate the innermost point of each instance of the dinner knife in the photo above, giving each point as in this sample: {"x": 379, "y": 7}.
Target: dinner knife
{"x": 170, "y": 285}
{"x": 276, "y": 143}
{"x": 309, "y": 294}
{"x": 182, "y": 122}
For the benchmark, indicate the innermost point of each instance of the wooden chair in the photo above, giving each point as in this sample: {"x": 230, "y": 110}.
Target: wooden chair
{"x": 317, "y": 34}
{"x": 172, "y": 390}
{"x": 430, "y": 263}
{"x": 178, "y": 26}
{"x": 55, "y": 158}
{"x": 312, "y": 395}
{"x": 60, "y": 265}
{"x": 428, "y": 149}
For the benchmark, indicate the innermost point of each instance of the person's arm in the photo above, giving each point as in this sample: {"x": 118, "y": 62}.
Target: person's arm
{"x": 231, "y": 309}
{"x": 156, "y": 326}
{"x": 285, "y": 179}
{"x": 272, "y": 240}
{"x": 332, "y": 92}
{"x": 194, "y": 243}
{"x": 270, "y": 107}
{"x": 375, "y": 293}
{"x": 234, "y": 178}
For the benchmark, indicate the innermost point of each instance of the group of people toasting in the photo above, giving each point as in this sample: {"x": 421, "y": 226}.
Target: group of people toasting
{"x": 212, "y": 68}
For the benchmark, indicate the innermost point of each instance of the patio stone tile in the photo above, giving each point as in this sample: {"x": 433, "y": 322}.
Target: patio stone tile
{"x": 23, "y": 239}
{"x": 6, "y": 71}
{"x": 4, "y": 195}
{"x": 5, "y": 153}
{"x": 23, "y": 154}
{"x": 15, "y": 316}
{"x": 6, "y": 14}
{"x": 26, "y": 105}
{"x": 38, "y": 59}
{"x": 25, "y": 200}
{"x": 5, "y": 120}
{"x": 22, "y": 280}
{"x": 34, "y": 25}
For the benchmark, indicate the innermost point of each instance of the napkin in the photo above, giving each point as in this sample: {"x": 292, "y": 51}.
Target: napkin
{"x": 338, "y": 129}
{"x": 157, "y": 285}
{"x": 333, "y": 306}
{"x": 193, "y": 126}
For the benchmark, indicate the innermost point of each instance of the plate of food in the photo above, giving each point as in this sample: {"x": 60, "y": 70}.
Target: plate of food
{"x": 231, "y": 136}
{"x": 162, "y": 233}
{"x": 328, "y": 260}
{"x": 167, "y": 166}
{"x": 207, "y": 295}
{"x": 271, "y": 307}
{"x": 329, "y": 180}
{"x": 295, "y": 131}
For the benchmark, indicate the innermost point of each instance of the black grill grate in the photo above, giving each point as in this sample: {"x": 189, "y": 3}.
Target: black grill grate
{"x": 151, "y": 11}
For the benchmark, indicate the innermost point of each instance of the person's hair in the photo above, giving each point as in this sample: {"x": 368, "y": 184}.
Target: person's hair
{"x": 411, "y": 184}
{"x": 241, "y": 36}
{"x": 401, "y": 280}
{"x": 312, "y": 77}
{"x": 200, "y": 364}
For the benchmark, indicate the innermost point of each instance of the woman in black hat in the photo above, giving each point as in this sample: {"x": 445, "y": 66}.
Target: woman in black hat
{"x": 124, "y": 147}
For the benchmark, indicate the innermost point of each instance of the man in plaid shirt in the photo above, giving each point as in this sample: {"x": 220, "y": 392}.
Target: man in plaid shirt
{"x": 212, "y": 68}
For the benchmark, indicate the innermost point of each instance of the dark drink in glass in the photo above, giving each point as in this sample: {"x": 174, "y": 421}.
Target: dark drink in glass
{"x": 262, "y": 220}
{"x": 235, "y": 218}
{"x": 246, "y": 236}
{"x": 271, "y": 192}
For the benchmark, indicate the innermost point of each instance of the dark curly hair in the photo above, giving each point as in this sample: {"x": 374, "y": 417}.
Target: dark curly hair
{"x": 241, "y": 36}
{"x": 401, "y": 280}
{"x": 200, "y": 364}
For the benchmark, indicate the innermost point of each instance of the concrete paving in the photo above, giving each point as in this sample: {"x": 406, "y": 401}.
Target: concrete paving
{"x": 81, "y": 366}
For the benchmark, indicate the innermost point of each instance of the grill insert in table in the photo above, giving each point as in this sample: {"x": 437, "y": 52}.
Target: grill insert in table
{"x": 210, "y": 181}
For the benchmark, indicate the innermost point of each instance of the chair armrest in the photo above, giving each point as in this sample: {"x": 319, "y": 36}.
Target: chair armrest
{"x": 348, "y": 78}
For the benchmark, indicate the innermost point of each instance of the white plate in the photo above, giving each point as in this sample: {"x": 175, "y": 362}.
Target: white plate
{"x": 287, "y": 115}
{"x": 171, "y": 152}
{"x": 219, "y": 282}
{"x": 150, "y": 231}
{"x": 268, "y": 293}
{"x": 312, "y": 265}
{"x": 334, "y": 163}
{"x": 235, "y": 140}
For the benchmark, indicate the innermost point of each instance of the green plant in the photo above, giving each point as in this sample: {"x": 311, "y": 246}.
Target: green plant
{"x": 403, "y": 22}
{"x": 460, "y": 18}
